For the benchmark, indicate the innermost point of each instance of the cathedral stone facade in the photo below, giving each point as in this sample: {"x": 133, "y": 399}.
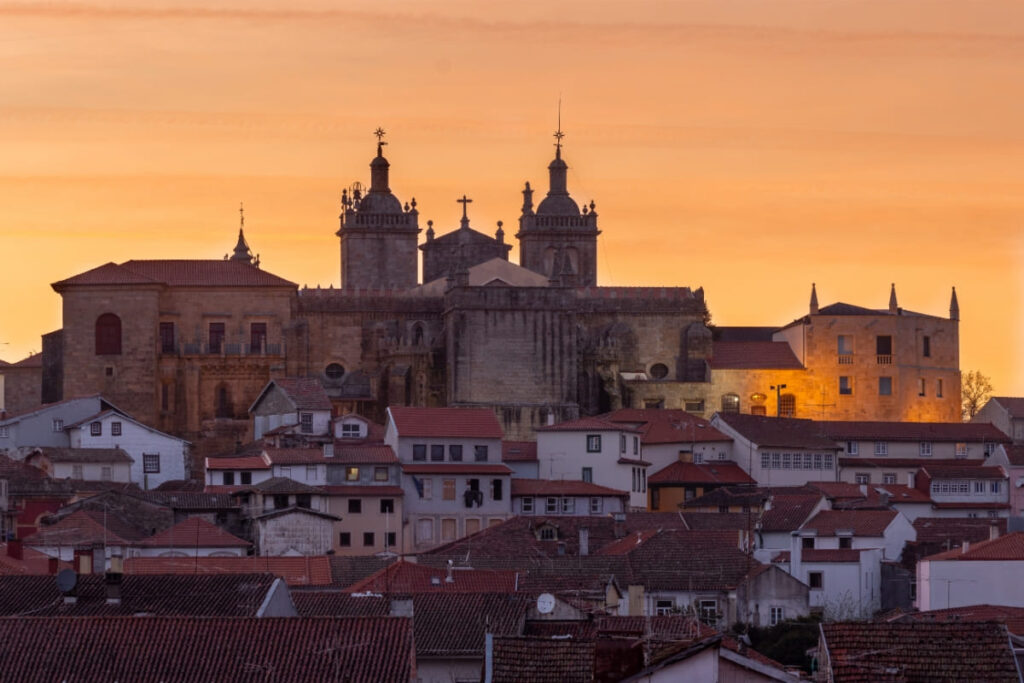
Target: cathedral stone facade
{"x": 187, "y": 345}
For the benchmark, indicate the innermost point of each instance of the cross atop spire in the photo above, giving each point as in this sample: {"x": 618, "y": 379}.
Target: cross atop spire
{"x": 380, "y": 133}
{"x": 465, "y": 201}
{"x": 558, "y": 133}
{"x": 241, "y": 215}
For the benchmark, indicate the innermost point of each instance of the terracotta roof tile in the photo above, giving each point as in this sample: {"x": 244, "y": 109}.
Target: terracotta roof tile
{"x": 35, "y": 360}
{"x": 455, "y": 468}
{"x": 542, "y": 660}
{"x": 281, "y": 485}
{"x": 913, "y": 431}
{"x": 177, "y": 273}
{"x": 899, "y": 493}
{"x": 519, "y": 451}
{"x": 707, "y": 473}
{"x": 305, "y": 392}
{"x": 955, "y": 530}
{"x": 830, "y": 555}
{"x": 237, "y": 595}
{"x": 359, "y": 650}
{"x": 788, "y": 512}
{"x": 545, "y": 487}
{"x": 1015, "y": 454}
{"x": 779, "y": 432}
{"x": 363, "y": 454}
{"x": 753, "y": 354}
{"x": 856, "y": 462}
{"x": 836, "y": 489}
{"x": 589, "y": 424}
{"x": 296, "y": 456}
{"x": 296, "y": 571}
{"x": 409, "y": 577}
{"x": 911, "y": 652}
{"x": 86, "y": 455}
{"x": 347, "y": 569}
{"x": 478, "y": 423}
{"x": 194, "y": 532}
{"x": 1014, "y": 405}
{"x": 1005, "y": 548}
{"x": 85, "y": 528}
{"x": 861, "y": 522}
{"x": 719, "y": 520}
{"x": 246, "y": 462}
{"x": 962, "y": 472}
{"x": 1013, "y": 617}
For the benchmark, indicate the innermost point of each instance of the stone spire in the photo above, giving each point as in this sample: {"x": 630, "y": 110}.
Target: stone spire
{"x": 242, "y": 251}
{"x": 893, "y": 306}
{"x": 558, "y": 202}
{"x": 814, "y": 300}
{"x": 379, "y": 166}
{"x": 954, "y": 307}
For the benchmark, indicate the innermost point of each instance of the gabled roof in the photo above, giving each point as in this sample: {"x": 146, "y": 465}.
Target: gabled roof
{"x": 1005, "y": 548}
{"x": 542, "y": 660}
{"x": 85, "y": 455}
{"x": 176, "y": 273}
{"x": 956, "y": 530}
{"x": 953, "y": 432}
{"x": 228, "y": 650}
{"x": 753, "y": 355}
{"x": 296, "y": 571}
{"x": 34, "y": 360}
{"x": 779, "y": 432}
{"x": 281, "y": 485}
{"x": 589, "y": 424}
{"x": 304, "y": 393}
{"x": 296, "y": 456}
{"x": 205, "y": 595}
{"x": 1014, "y": 405}
{"x": 409, "y": 577}
{"x": 242, "y": 462}
{"x": 1013, "y": 617}
{"x": 84, "y": 528}
{"x": 370, "y": 454}
{"x": 1015, "y": 455}
{"x": 454, "y": 468}
{"x": 561, "y": 487}
{"x": 917, "y": 651}
{"x": 47, "y": 407}
{"x": 470, "y": 423}
{"x": 960, "y": 471}
{"x": 661, "y": 426}
{"x": 788, "y": 512}
{"x": 680, "y": 472}
{"x": 861, "y": 522}
{"x": 194, "y": 532}
{"x": 899, "y": 493}
{"x": 485, "y": 273}
{"x": 719, "y": 521}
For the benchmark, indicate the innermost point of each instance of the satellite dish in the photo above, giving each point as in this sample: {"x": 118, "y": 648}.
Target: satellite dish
{"x": 545, "y": 603}
{"x": 67, "y": 579}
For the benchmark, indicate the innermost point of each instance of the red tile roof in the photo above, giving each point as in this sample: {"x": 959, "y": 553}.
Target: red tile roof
{"x": 194, "y": 532}
{"x": 779, "y": 432}
{"x": 239, "y": 595}
{"x": 667, "y": 425}
{"x": 519, "y": 451}
{"x": 542, "y": 660}
{"x": 830, "y": 555}
{"x": 364, "y": 490}
{"x": 296, "y": 456}
{"x": 455, "y": 468}
{"x": 84, "y": 528}
{"x": 177, "y": 273}
{"x": 861, "y": 522}
{"x": 86, "y": 455}
{"x": 836, "y": 489}
{"x": 305, "y": 392}
{"x": 156, "y": 649}
{"x": 1015, "y": 454}
{"x": 954, "y": 432}
{"x": 409, "y": 577}
{"x": 589, "y": 424}
{"x": 708, "y": 473}
{"x": 788, "y": 512}
{"x": 855, "y": 462}
{"x": 544, "y": 487}
{"x": 296, "y": 571}
{"x": 1005, "y": 548}
{"x": 363, "y": 454}
{"x": 247, "y": 462}
{"x": 469, "y": 423}
{"x": 34, "y": 360}
{"x": 961, "y": 472}
{"x": 917, "y": 651}
{"x": 956, "y": 529}
{"x": 1013, "y": 405}
{"x": 902, "y": 494}
{"x": 1013, "y": 617}
{"x": 753, "y": 354}
{"x": 719, "y": 520}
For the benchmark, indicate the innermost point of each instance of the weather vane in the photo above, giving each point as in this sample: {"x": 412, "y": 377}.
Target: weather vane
{"x": 241, "y": 215}
{"x": 558, "y": 133}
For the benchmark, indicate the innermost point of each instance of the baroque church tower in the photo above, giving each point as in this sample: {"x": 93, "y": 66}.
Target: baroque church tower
{"x": 558, "y": 240}
{"x": 378, "y": 235}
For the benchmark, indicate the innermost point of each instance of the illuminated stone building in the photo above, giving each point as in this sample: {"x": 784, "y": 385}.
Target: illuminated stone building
{"x": 187, "y": 345}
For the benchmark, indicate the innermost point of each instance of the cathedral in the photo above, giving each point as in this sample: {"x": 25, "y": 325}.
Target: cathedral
{"x": 187, "y": 345}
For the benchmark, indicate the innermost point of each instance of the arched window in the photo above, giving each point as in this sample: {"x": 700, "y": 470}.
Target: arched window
{"x": 417, "y": 335}
{"x": 730, "y": 403}
{"x": 787, "y": 405}
{"x": 108, "y": 335}
{"x": 335, "y": 371}
{"x": 659, "y": 371}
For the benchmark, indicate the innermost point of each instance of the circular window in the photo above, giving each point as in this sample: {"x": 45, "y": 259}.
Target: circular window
{"x": 334, "y": 371}
{"x": 659, "y": 371}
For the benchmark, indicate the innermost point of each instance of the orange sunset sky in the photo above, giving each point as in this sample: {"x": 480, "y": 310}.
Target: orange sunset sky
{"x": 750, "y": 147}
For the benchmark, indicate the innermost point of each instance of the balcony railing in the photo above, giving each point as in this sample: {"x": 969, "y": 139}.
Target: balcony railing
{"x": 846, "y": 359}
{"x": 884, "y": 359}
{"x": 245, "y": 348}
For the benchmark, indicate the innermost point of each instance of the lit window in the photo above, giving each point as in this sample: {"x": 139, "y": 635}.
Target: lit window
{"x": 593, "y": 443}
{"x": 351, "y": 474}
{"x": 845, "y": 385}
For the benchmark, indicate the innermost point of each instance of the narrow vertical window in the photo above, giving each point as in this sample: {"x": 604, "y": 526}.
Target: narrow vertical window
{"x": 108, "y": 335}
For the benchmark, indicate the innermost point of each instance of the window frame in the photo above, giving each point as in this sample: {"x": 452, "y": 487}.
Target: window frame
{"x": 151, "y": 463}
{"x": 355, "y": 506}
{"x": 593, "y": 443}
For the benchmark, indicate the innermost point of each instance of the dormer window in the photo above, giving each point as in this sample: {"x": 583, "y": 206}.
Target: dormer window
{"x": 306, "y": 423}
{"x": 350, "y": 430}
{"x": 547, "y": 533}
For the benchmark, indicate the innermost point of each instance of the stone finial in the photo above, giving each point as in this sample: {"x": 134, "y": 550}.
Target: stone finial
{"x": 527, "y": 199}
{"x": 954, "y": 307}
{"x": 430, "y": 231}
{"x": 814, "y": 300}
{"x": 893, "y": 306}
{"x": 499, "y": 234}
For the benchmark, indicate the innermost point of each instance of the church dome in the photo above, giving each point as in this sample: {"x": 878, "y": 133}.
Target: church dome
{"x": 380, "y": 202}
{"x": 558, "y": 205}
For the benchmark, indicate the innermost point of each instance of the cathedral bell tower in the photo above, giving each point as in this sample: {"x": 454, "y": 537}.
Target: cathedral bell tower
{"x": 558, "y": 240}
{"x": 378, "y": 234}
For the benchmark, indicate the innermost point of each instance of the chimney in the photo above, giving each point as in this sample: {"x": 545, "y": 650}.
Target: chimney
{"x": 116, "y": 564}
{"x": 864, "y": 490}
{"x": 14, "y": 549}
{"x": 112, "y": 583}
{"x": 329, "y": 449}
{"x": 551, "y": 416}
{"x": 993, "y": 530}
{"x": 488, "y": 658}
{"x": 584, "y": 541}
{"x": 449, "y": 578}
{"x": 619, "y": 527}
{"x": 883, "y": 497}
{"x": 965, "y": 547}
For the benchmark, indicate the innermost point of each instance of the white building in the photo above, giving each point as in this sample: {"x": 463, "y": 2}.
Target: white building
{"x": 985, "y": 573}
{"x": 193, "y": 537}
{"x": 845, "y": 583}
{"x": 577, "y": 498}
{"x": 296, "y": 406}
{"x": 83, "y": 464}
{"x": 596, "y": 451}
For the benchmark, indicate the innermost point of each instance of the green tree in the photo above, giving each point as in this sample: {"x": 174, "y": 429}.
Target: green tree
{"x": 975, "y": 388}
